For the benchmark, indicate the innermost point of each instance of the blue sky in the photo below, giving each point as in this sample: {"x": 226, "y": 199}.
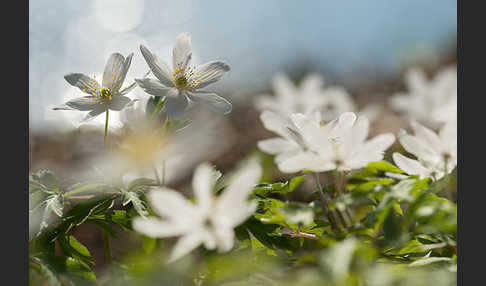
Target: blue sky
{"x": 257, "y": 38}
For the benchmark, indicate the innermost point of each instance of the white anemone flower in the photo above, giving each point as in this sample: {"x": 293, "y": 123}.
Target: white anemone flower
{"x": 105, "y": 96}
{"x": 436, "y": 153}
{"x": 425, "y": 97}
{"x": 310, "y": 96}
{"x": 210, "y": 221}
{"x": 181, "y": 84}
{"x": 285, "y": 146}
{"x": 339, "y": 145}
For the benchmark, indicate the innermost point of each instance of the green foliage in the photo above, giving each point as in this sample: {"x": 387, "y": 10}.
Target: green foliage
{"x": 397, "y": 232}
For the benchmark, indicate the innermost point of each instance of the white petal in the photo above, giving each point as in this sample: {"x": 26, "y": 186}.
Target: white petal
{"x": 283, "y": 86}
{"x": 215, "y": 102}
{"x": 118, "y": 102}
{"x": 113, "y": 69}
{"x": 210, "y": 72}
{"x": 83, "y": 82}
{"x": 169, "y": 203}
{"x": 415, "y": 80}
{"x": 97, "y": 110}
{"x": 299, "y": 162}
{"x": 234, "y": 198}
{"x": 182, "y": 51}
{"x": 123, "y": 73}
{"x": 371, "y": 151}
{"x": 372, "y": 111}
{"x": 410, "y": 166}
{"x": 203, "y": 184}
{"x": 158, "y": 67}
{"x": 417, "y": 147}
{"x": 276, "y": 145}
{"x": 152, "y": 86}
{"x": 226, "y": 238}
{"x": 275, "y": 122}
{"x": 311, "y": 84}
{"x": 360, "y": 129}
{"x": 84, "y": 103}
{"x": 427, "y": 136}
{"x": 175, "y": 103}
{"x": 156, "y": 228}
{"x": 185, "y": 245}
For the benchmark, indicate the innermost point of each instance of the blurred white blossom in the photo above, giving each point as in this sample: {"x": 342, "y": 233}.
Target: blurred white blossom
{"x": 311, "y": 96}
{"x": 210, "y": 221}
{"x": 428, "y": 101}
{"x": 436, "y": 153}
{"x": 181, "y": 84}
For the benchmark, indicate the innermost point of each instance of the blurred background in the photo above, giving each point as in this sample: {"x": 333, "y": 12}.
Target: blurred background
{"x": 364, "y": 46}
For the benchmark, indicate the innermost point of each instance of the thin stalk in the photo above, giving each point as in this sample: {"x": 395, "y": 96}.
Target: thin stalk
{"x": 346, "y": 210}
{"x": 156, "y": 175}
{"x": 337, "y": 184}
{"x": 447, "y": 189}
{"x": 158, "y": 107}
{"x": 106, "y": 126}
{"x": 163, "y": 173}
{"x": 325, "y": 203}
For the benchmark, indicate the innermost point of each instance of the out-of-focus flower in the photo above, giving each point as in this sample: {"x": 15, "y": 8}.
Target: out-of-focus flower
{"x": 210, "y": 221}
{"x": 436, "y": 153}
{"x": 104, "y": 97}
{"x": 338, "y": 145}
{"x": 425, "y": 98}
{"x": 181, "y": 84}
{"x": 283, "y": 147}
{"x": 308, "y": 97}
{"x": 447, "y": 112}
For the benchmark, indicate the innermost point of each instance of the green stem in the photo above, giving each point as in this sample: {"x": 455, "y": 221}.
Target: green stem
{"x": 325, "y": 203}
{"x": 158, "y": 107}
{"x": 337, "y": 184}
{"x": 106, "y": 126}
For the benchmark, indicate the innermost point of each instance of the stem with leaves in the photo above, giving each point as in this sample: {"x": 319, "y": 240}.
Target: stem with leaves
{"x": 325, "y": 203}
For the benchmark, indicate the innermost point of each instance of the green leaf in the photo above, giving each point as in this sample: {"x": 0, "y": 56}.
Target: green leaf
{"x": 79, "y": 272}
{"x": 73, "y": 248}
{"x": 295, "y": 182}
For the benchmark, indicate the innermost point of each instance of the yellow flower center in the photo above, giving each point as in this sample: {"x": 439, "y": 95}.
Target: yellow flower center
{"x": 186, "y": 79}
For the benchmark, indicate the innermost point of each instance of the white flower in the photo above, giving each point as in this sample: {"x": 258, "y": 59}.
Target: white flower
{"x": 426, "y": 97}
{"x": 182, "y": 83}
{"x": 285, "y": 146}
{"x": 338, "y": 145}
{"x": 308, "y": 97}
{"x": 447, "y": 112}
{"x": 210, "y": 221}
{"x": 436, "y": 153}
{"x": 289, "y": 98}
{"x": 104, "y": 97}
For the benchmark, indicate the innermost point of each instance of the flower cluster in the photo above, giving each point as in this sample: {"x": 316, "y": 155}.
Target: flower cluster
{"x": 319, "y": 130}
